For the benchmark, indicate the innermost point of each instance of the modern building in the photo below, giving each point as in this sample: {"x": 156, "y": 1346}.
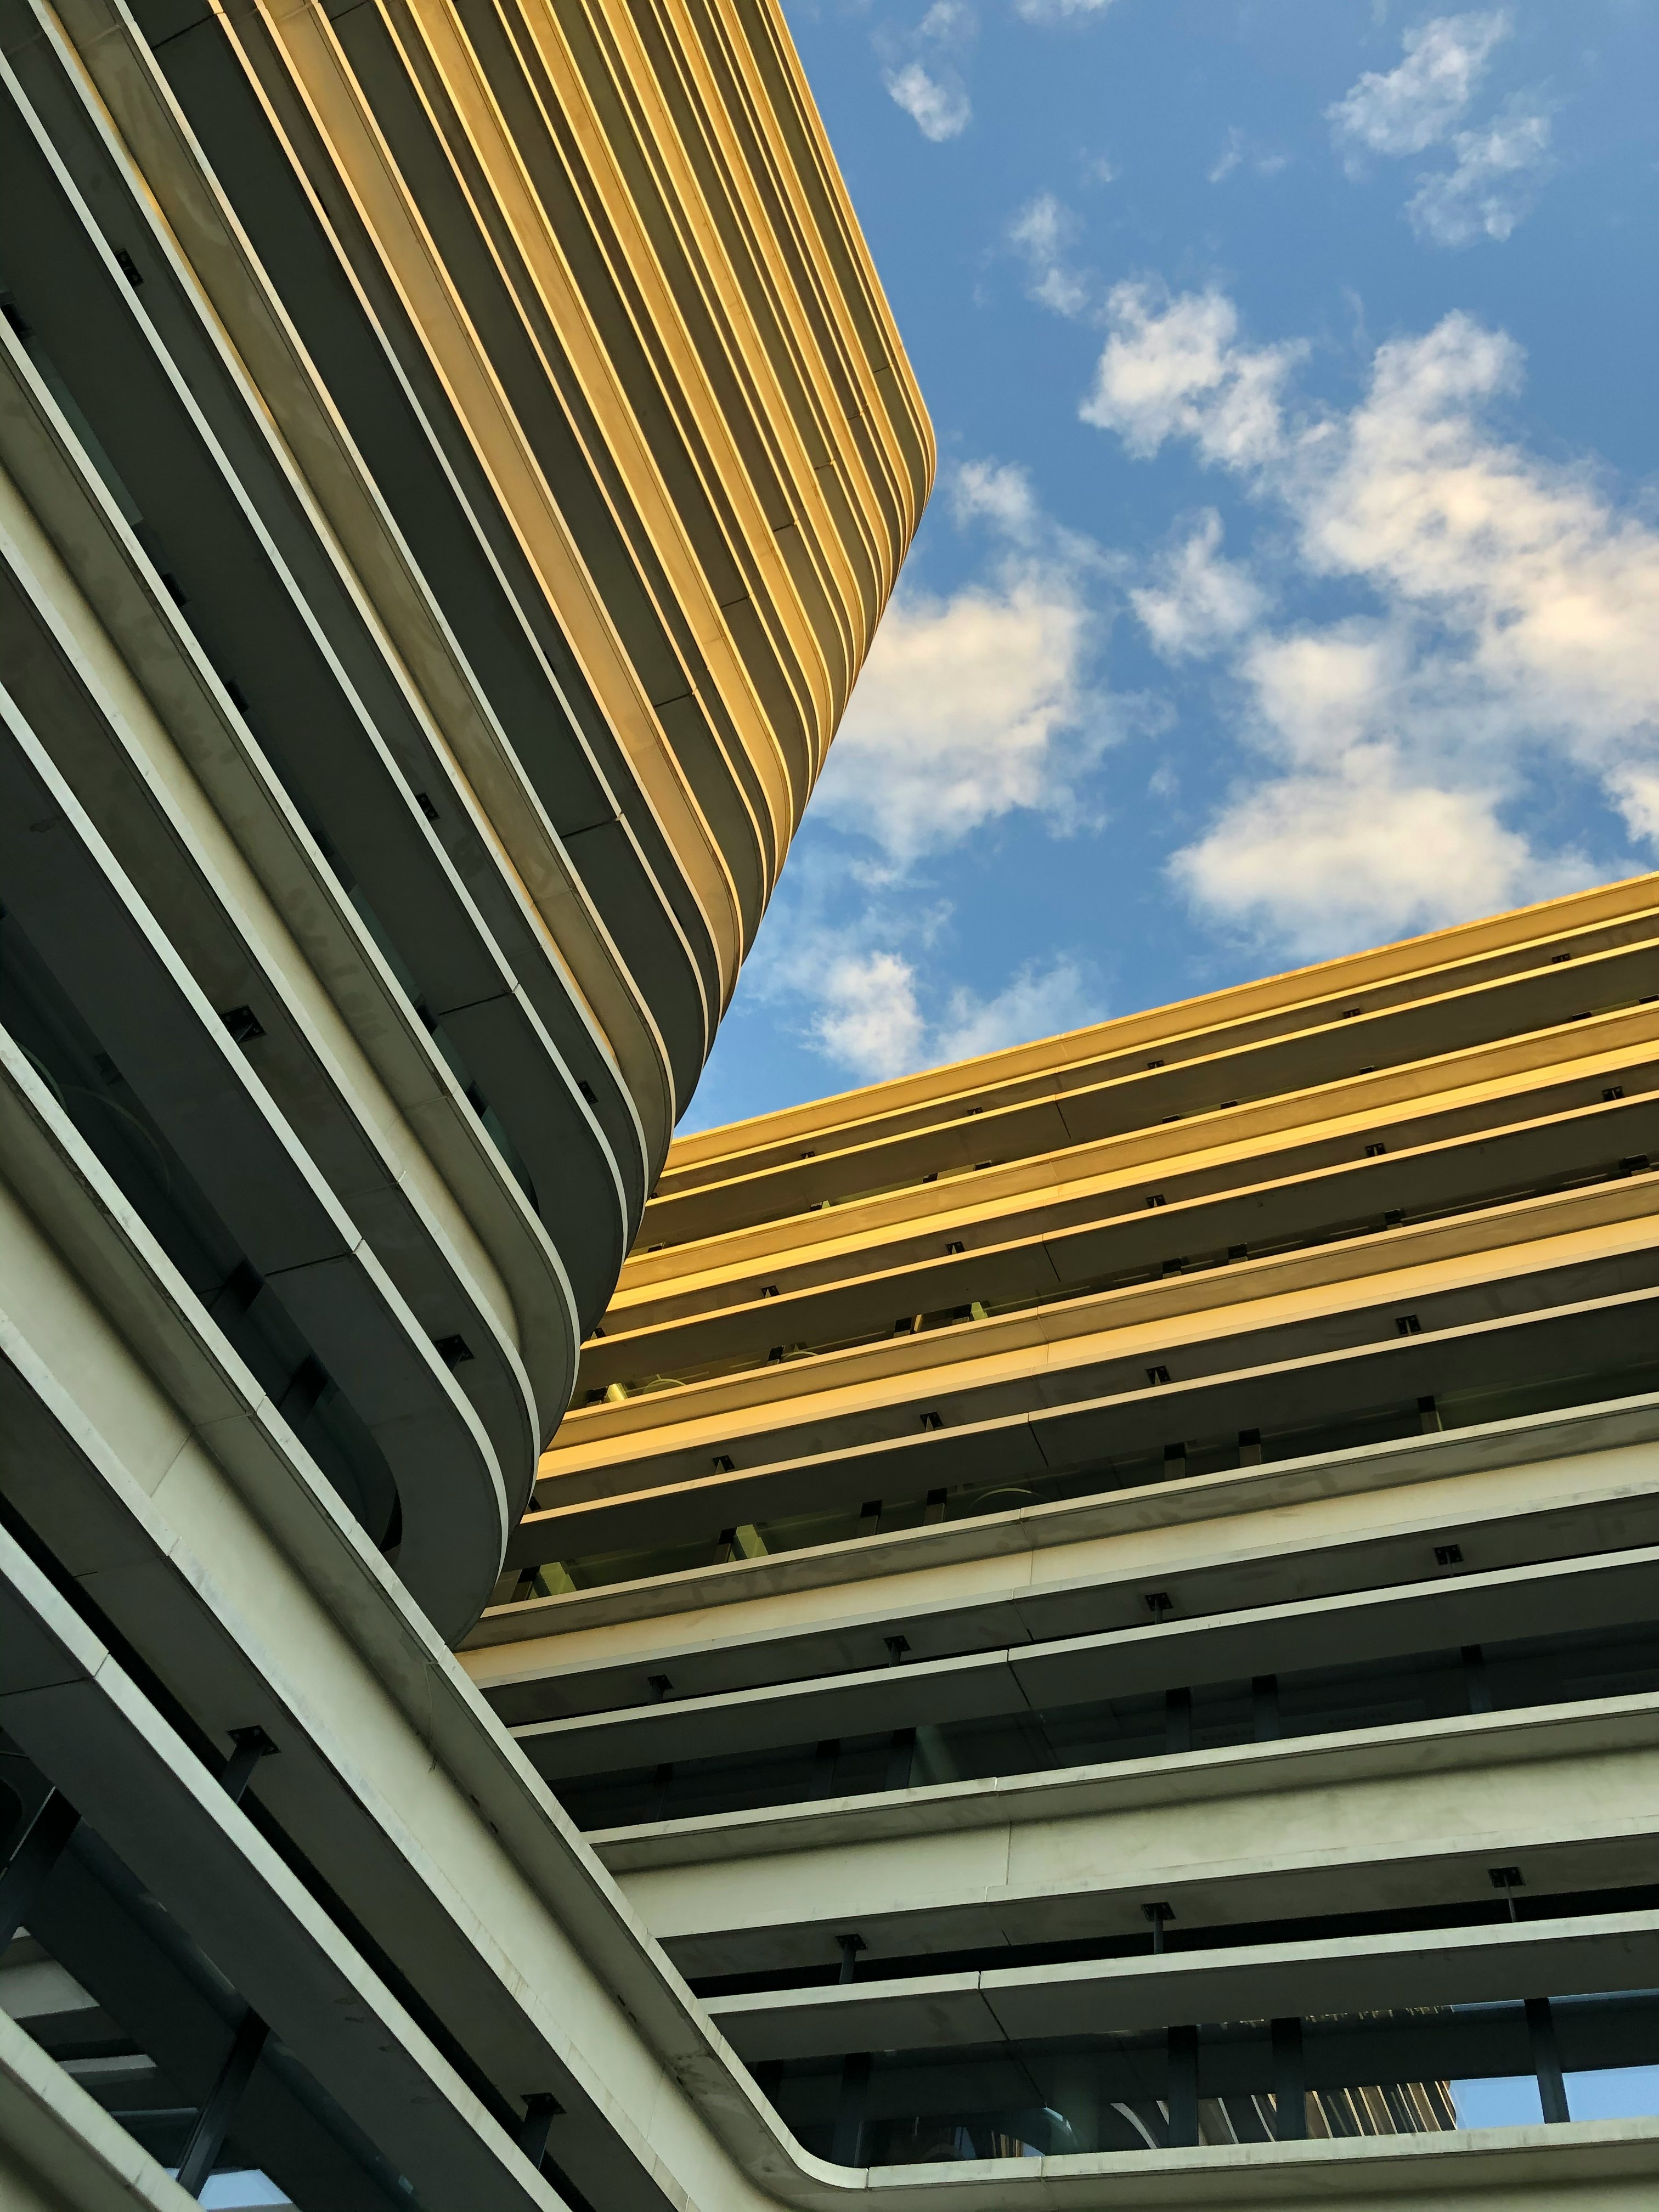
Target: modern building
{"x": 1088, "y": 1642}
{"x": 1100, "y": 1603}
{"x": 452, "y": 460}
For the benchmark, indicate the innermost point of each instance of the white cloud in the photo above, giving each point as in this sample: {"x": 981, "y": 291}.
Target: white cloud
{"x": 1171, "y": 368}
{"x": 1548, "y": 598}
{"x": 1634, "y": 786}
{"x": 974, "y": 703}
{"x": 1499, "y": 163}
{"x": 957, "y": 712}
{"x": 1507, "y": 641}
{"x": 1039, "y": 1002}
{"x": 1414, "y": 106}
{"x": 1042, "y": 233}
{"x": 1229, "y": 156}
{"x": 994, "y": 492}
{"x": 923, "y": 75}
{"x": 870, "y": 1019}
{"x": 1197, "y": 600}
{"x": 1331, "y": 862}
{"x": 939, "y": 106}
{"x": 1239, "y": 151}
{"x": 947, "y": 23}
{"x": 1061, "y": 11}
{"x": 1498, "y": 168}
{"x": 1327, "y": 693}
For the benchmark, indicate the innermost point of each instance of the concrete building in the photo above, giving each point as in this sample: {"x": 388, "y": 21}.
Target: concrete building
{"x": 1099, "y": 1603}
{"x": 1087, "y": 1641}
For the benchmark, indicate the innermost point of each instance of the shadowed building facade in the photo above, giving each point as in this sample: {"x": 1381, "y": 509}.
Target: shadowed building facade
{"x": 1099, "y": 1602}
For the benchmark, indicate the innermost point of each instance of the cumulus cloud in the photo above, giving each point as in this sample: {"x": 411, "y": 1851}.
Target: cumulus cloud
{"x": 939, "y": 106}
{"x": 923, "y": 72}
{"x": 958, "y": 713}
{"x": 974, "y": 705}
{"x": 1499, "y": 163}
{"x": 1337, "y": 861}
{"x": 1042, "y": 234}
{"x": 1414, "y": 106}
{"x": 977, "y": 702}
{"x": 1173, "y": 368}
{"x": 870, "y": 1020}
{"x": 1196, "y": 600}
{"x": 1504, "y": 633}
{"x": 1548, "y": 596}
{"x": 1498, "y": 170}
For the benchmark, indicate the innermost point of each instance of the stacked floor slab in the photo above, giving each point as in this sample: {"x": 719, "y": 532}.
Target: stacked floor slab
{"x": 1100, "y": 1602}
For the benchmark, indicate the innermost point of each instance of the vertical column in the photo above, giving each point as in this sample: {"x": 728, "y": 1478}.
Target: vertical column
{"x": 218, "y": 2115}
{"x": 1177, "y": 1720}
{"x": 901, "y": 1754}
{"x": 823, "y": 1783}
{"x": 849, "y": 2109}
{"x": 1546, "y": 2060}
{"x": 1289, "y": 2083}
{"x": 1264, "y": 1707}
{"x": 541, "y": 2109}
{"x": 252, "y": 1744}
{"x": 1181, "y": 2091}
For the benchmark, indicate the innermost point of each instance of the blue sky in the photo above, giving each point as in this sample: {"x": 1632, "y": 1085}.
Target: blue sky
{"x": 1293, "y": 579}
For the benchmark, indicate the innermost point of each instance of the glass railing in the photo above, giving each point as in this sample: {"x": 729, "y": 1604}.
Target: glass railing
{"x": 1331, "y": 2075}
{"x": 1573, "y": 1667}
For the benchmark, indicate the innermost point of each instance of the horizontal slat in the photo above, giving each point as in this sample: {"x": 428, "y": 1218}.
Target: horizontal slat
{"x": 1370, "y": 1623}
{"x": 1211, "y": 1543}
{"x": 1410, "y": 1818}
{"x": 1461, "y": 1966}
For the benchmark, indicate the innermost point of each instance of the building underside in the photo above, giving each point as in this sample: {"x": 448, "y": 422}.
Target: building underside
{"x": 1088, "y": 1639}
